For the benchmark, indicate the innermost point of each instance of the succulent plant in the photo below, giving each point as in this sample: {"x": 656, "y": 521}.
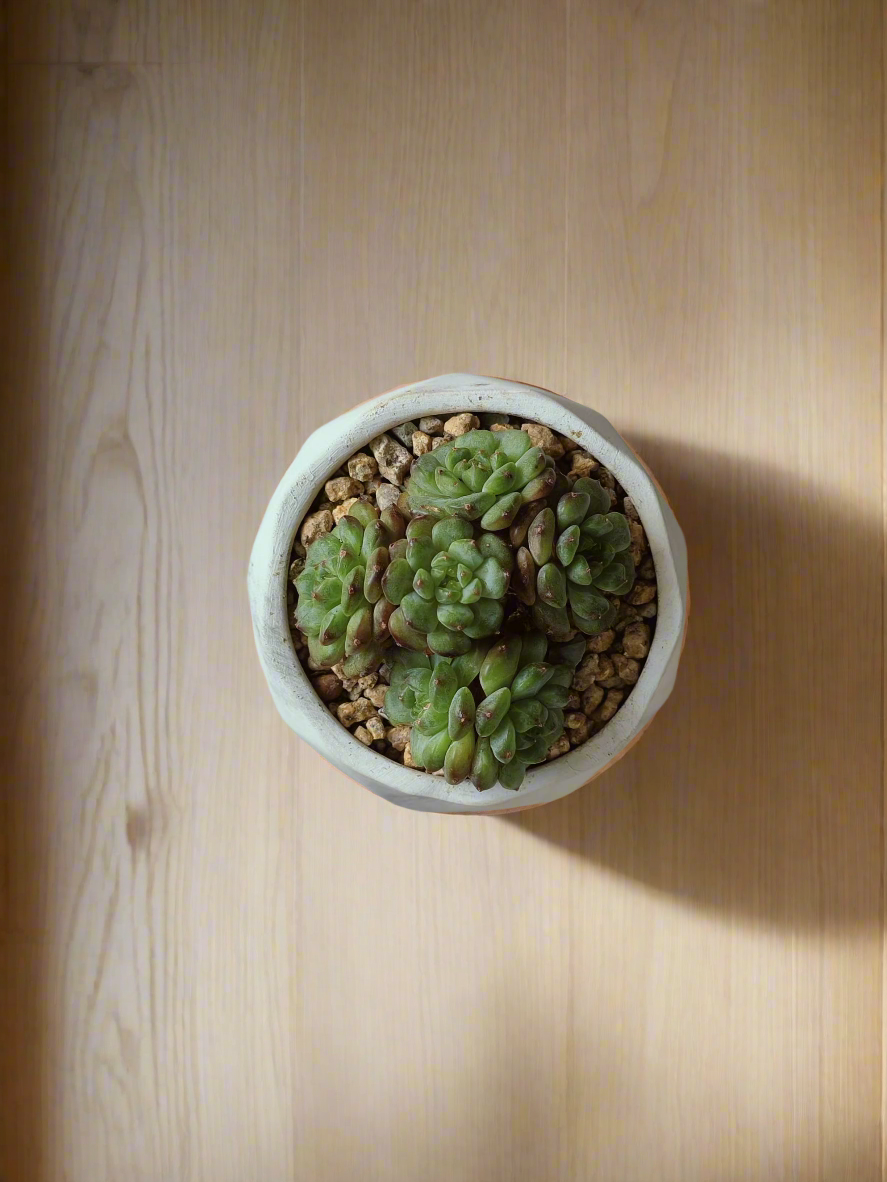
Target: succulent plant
{"x": 523, "y": 711}
{"x": 342, "y": 609}
{"x": 431, "y": 694}
{"x": 482, "y": 474}
{"x": 574, "y": 552}
{"x": 447, "y": 582}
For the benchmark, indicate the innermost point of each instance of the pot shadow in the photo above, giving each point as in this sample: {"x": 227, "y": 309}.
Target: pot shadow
{"x": 757, "y": 790}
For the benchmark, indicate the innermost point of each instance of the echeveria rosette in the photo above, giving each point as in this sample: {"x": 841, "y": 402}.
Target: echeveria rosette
{"x": 580, "y": 549}
{"x": 482, "y": 474}
{"x": 342, "y": 609}
{"x": 523, "y": 711}
{"x": 431, "y": 695}
{"x": 447, "y": 582}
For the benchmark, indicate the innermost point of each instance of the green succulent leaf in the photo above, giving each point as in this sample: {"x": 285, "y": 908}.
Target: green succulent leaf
{"x": 513, "y": 774}
{"x": 460, "y": 719}
{"x": 530, "y": 680}
{"x": 503, "y": 741}
{"x": 481, "y": 475}
{"x": 459, "y": 758}
{"x": 484, "y": 767}
{"x": 540, "y": 537}
{"x": 443, "y": 686}
{"x": 492, "y": 711}
{"x": 599, "y": 498}
{"x": 429, "y": 750}
{"x": 500, "y": 664}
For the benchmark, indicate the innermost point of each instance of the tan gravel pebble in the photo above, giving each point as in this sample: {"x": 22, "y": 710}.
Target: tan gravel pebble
{"x": 642, "y": 593}
{"x": 398, "y": 737}
{"x": 361, "y": 733}
{"x": 343, "y": 510}
{"x": 408, "y": 757}
{"x": 627, "y": 668}
{"x": 315, "y": 526}
{"x": 376, "y": 727}
{"x": 586, "y": 672}
{"x": 577, "y": 735}
{"x": 296, "y": 567}
{"x": 638, "y": 546}
{"x": 431, "y": 425}
{"x": 405, "y": 432}
{"x": 647, "y": 611}
{"x": 630, "y": 509}
{"x": 582, "y": 464}
{"x": 559, "y": 747}
{"x": 439, "y": 440}
{"x": 362, "y": 466}
{"x": 461, "y": 424}
{"x": 386, "y": 496}
{"x": 421, "y": 443}
{"x": 636, "y": 641}
{"x": 357, "y": 711}
{"x": 327, "y": 686}
{"x": 545, "y": 438}
{"x": 342, "y": 487}
{"x": 601, "y": 642}
{"x": 609, "y": 706}
{"x": 377, "y": 695}
{"x": 392, "y": 457}
{"x": 591, "y": 699}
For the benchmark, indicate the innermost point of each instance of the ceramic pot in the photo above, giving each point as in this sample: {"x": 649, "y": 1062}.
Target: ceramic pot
{"x": 328, "y": 448}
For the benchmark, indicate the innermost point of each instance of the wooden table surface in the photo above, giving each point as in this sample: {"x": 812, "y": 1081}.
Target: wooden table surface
{"x": 225, "y": 222}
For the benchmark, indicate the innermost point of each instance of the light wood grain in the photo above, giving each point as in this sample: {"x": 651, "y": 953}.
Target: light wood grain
{"x": 219, "y": 960}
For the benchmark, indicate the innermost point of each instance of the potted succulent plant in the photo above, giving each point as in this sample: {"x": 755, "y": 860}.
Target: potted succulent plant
{"x": 469, "y": 595}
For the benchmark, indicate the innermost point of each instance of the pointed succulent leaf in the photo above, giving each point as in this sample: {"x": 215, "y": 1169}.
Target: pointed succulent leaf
{"x": 618, "y": 577}
{"x": 501, "y": 480}
{"x": 404, "y": 633}
{"x": 492, "y": 711}
{"x": 533, "y": 648}
{"x": 512, "y": 775}
{"x": 553, "y": 621}
{"x": 359, "y": 632}
{"x": 530, "y": 680}
{"x": 447, "y": 643}
{"x": 599, "y": 498}
{"x": 326, "y": 655}
{"x": 460, "y": 719}
{"x": 579, "y": 571}
{"x": 443, "y": 685}
{"x": 503, "y": 512}
{"x": 567, "y": 545}
{"x": 572, "y": 508}
{"x": 484, "y": 767}
{"x": 527, "y": 714}
{"x": 488, "y": 617}
{"x": 468, "y": 665}
{"x": 459, "y": 757}
{"x": 540, "y": 537}
{"x": 455, "y": 616}
{"x": 397, "y": 581}
{"x": 335, "y": 624}
{"x": 429, "y": 751}
{"x": 503, "y": 741}
{"x": 551, "y": 585}
{"x": 500, "y": 664}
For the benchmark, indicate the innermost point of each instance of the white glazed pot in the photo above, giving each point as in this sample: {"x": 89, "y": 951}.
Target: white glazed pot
{"x": 325, "y": 451}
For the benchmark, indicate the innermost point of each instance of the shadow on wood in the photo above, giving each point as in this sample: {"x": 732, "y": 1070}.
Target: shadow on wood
{"x": 24, "y": 720}
{"x": 757, "y": 790}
